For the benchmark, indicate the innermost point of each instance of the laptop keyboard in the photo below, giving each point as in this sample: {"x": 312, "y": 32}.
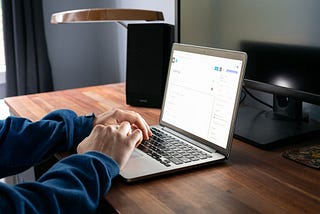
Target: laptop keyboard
{"x": 169, "y": 150}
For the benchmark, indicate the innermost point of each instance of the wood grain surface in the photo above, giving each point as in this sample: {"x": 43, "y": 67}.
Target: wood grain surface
{"x": 250, "y": 181}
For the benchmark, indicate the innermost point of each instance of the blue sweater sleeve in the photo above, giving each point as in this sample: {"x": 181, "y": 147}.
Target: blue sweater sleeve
{"x": 75, "y": 184}
{"x": 24, "y": 143}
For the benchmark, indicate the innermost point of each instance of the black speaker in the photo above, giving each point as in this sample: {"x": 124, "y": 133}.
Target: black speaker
{"x": 148, "y": 54}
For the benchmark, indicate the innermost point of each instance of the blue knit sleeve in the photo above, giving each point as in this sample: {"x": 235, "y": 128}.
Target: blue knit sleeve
{"x": 75, "y": 184}
{"x": 24, "y": 143}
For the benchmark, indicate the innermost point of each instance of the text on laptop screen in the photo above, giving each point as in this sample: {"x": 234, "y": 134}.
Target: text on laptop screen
{"x": 201, "y": 95}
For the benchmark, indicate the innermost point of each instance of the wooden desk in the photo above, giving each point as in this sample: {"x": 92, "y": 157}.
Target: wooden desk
{"x": 250, "y": 181}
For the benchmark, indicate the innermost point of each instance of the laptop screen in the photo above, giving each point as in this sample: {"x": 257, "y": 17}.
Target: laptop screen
{"x": 201, "y": 94}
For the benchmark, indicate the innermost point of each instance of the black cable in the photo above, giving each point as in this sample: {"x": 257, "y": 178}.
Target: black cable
{"x": 256, "y": 99}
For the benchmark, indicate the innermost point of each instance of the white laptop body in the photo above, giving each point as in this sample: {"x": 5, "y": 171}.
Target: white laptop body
{"x": 199, "y": 106}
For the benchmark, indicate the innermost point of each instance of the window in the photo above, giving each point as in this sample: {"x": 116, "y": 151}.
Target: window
{"x": 2, "y": 57}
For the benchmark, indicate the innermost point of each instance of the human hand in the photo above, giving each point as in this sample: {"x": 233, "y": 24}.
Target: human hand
{"x": 116, "y": 141}
{"x": 116, "y": 116}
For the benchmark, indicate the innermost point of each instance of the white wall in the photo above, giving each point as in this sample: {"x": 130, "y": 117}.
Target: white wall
{"x": 91, "y": 54}
{"x": 73, "y": 48}
{"x": 222, "y": 23}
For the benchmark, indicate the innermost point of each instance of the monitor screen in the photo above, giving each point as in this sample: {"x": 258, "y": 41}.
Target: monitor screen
{"x": 287, "y": 70}
{"x": 282, "y": 40}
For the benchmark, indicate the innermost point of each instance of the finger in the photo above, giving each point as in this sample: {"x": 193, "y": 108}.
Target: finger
{"x": 149, "y": 133}
{"x": 133, "y": 118}
{"x": 141, "y": 124}
{"x": 136, "y": 137}
{"x": 125, "y": 128}
{"x": 111, "y": 129}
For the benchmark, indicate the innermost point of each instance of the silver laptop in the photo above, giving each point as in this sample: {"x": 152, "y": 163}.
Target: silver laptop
{"x": 198, "y": 113}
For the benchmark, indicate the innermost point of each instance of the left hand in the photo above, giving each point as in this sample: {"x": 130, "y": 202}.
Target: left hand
{"x": 116, "y": 141}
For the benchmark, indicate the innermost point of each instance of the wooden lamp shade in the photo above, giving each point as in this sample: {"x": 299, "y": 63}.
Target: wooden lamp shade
{"x": 105, "y": 15}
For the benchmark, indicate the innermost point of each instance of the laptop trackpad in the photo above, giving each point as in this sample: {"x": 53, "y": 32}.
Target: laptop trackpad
{"x": 140, "y": 165}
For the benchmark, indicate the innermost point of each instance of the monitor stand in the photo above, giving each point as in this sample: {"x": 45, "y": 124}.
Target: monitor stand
{"x": 267, "y": 130}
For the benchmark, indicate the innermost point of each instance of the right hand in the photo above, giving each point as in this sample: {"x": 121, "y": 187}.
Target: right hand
{"x": 116, "y": 141}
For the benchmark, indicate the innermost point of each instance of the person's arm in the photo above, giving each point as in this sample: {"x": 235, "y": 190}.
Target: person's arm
{"x": 73, "y": 185}
{"x": 78, "y": 183}
{"x": 24, "y": 143}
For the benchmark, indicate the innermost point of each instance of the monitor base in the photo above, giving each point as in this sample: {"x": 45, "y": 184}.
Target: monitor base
{"x": 266, "y": 130}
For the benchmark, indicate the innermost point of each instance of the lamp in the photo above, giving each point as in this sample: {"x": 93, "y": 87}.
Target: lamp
{"x": 105, "y": 15}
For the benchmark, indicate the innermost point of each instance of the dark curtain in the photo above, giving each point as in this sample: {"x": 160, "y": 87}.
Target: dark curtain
{"x": 28, "y": 68}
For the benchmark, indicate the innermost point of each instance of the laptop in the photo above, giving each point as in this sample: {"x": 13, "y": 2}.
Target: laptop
{"x": 198, "y": 113}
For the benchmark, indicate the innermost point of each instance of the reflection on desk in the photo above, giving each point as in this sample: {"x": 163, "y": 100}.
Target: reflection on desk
{"x": 251, "y": 180}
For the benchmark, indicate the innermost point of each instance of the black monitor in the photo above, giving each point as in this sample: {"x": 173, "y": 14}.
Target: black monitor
{"x": 283, "y": 47}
